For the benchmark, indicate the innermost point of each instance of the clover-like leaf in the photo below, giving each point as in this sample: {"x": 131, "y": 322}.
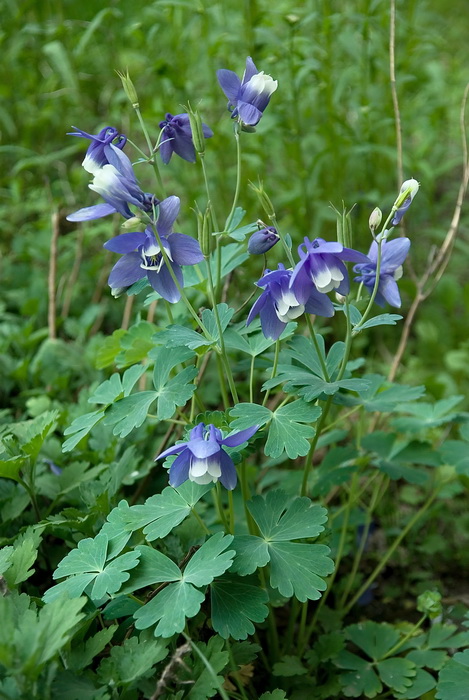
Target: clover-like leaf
{"x": 235, "y": 606}
{"x": 210, "y": 560}
{"x": 453, "y": 680}
{"x": 87, "y": 564}
{"x": 169, "y": 609}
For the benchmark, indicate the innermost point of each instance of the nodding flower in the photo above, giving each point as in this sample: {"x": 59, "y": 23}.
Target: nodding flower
{"x": 249, "y": 96}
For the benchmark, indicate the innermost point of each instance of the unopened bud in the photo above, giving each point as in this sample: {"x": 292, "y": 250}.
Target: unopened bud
{"x": 133, "y": 224}
{"x": 264, "y": 199}
{"x": 198, "y": 137}
{"x": 374, "y": 221}
{"x": 263, "y": 240}
{"x": 129, "y": 88}
{"x": 344, "y": 227}
{"x": 404, "y": 199}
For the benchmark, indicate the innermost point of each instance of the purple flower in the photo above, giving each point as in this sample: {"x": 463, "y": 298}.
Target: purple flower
{"x": 141, "y": 254}
{"x": 202, "y": 458}
{"x": 278, "y": 304}
{"x": 96, "y": 155}
{"x": 248, "y": 97}
{"x": 115, "y": 181}
{"x": 321, "y": 265}
{"x": 177, "y": 137}
{"x": 263, "y": 240}
{"x": 413, "y": 187}
{"x": 393, "y": 254}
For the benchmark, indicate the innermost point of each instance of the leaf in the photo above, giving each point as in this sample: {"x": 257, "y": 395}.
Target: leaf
{"x": 381, "y": 320}
{"x": 153, "y": 567}
{"x": 383, "y": 396}
{"x": 175, "y": 335}
{"x": 10, "y": 468}
{"x": 235, "y": 606}
{"x": 133, "y": 660}
{"x": 211, "y": 661}
{"x": 21, "y": 559}
{"x": 287, "y": 432}
{"x": 396, "y": 673}
{"x": 422, "y": 683}
{"x": 289, "y": 666}
{"x": 362, "y": 681}
{"x": 373, "y": 638}
{"x": 210, "y": 560}
{"x": 295, "y": 569}
{"x": 82, "y": 655}
{"x": 169, "y": 608}
{"x": 426, "y": 415}
{"x": 80, "y": 427}
{"x": 109, "y": 349}
{"x": 453, "y": 679}
{"x": 130, "y": 412}
{"x": 87, "y": 564}
{"x": 33, "y": 433}
{"x": 276, "y": 694}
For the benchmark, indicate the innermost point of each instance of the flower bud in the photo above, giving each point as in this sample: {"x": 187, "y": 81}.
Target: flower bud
{"x": 198, "y": 137}
{"x": 263, "y": 199}
{"x": 129, "y": 88}
{"x": 263, "y": 240}
{"x": 133, "y": 224}
{"x": 409, "y": 189}
{"x": 374, "y": 221}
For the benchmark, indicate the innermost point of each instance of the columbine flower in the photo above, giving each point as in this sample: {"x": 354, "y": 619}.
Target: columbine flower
{"x": 247, "y": 97}
{"x": 263, "y": 240}
{"x": 115, "y": 181}
{"x": 177, "y": 137}
{"x": 278, "y": 304}
{"x": 97, "y": 153}
{"x": 413, "y": 185}
{"x": 321, "y": 265}
{"x": 142, "y": 256}
{"x": 393, "y": 254}
{"x": 202, "y": 458}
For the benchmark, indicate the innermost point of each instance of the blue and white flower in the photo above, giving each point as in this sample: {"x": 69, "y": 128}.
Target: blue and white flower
{"x": 278, "y": 303}
{"x": 96, "y": 155}
{"x": 202, "y": 458}
{"x": 249, "y": 96}
{"x": 177, "y": 137}
{"x": 322, "y": 267}
{"x": 412, "y": 187}
{"x": 393, "y": 254}
{"x": 142, "y": 256}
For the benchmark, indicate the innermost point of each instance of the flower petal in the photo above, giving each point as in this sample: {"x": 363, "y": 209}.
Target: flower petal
{"x": 166, "y": 150}
{"x": 229, "y": 83}
{"x": 184, "y": 148}
{"x": 126, "y": 242}
{"x": 257, "y": 306}
{"x": 228, "y": 477}
{"x": 95, "y": 212}
{"x": 163, "y": 283}
{"x": 168, "y": 210}
{"x": 240, "y": 437}
{"x": 172, "y": 450}
{"x": 202, "y": 449}
{"x": 185, "y": 250}
{"x": 394, "y": 253}
{"x": 126, "y": 271}
{"x": 272, "y": 326}
{"x": 249, "y": 71}
{"x": 319, "y": 304}
{"x": 248, "y": 113}
{"x": 179, "y": 470}
{"x": 390, "y": 291}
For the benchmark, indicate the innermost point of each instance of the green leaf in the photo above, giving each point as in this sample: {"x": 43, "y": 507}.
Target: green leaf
{"x": 21, "y": 559}
{"x": 80, "y": 427}
{"x": 130, "y": 412}
{"x": 295, "y": 569}
{"x": 383, "y": 396}
{"x": 276, "y": 694}
{"x": 453, "y": 679}
{"x": 235, "y": 606}
{"x": 176, "y": 336}
{"x": 136, "y": 344}
{"x": 362, "y": 680}
{"x": 205, "y": 670}
{"x": 426, "y": 415}
{"x": 287, "y": 432}
{"x": 153, "y": 567}
{"x": 83, "y": 655}
{"x": 132, "y": 660}
{"x": 210, "y": 560}
{"x": 373, "y": 638}
{"x": 381, "y": 320}
{"x": 396, "y": 673}
{"x": 109, "y": 349}
{"x": 289, "y": 666}
{"x": 10, "y": 468}
{"x": 169, "y": 608}
{"x": 33, "y": 433}
{"x": 87, "y": 564}
{"x": 422, "y": 683}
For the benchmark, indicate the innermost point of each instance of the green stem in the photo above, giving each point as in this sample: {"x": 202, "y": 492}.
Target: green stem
{"x": 151, "y": 151}
{"x": 317, "y": 348}
{"x": 288, "y": 253}
{"x": 274, "y": 369}
{"x": 206, "y": 663}
{"x": 221, "y": 511}
{"x": 309, "y": 457}
{"x": 251, "y": 380}
{"x": 384, "y": 560}
{"x": 404, "y": 639}
{"x": 271, "y": 623}
{"x": 209, "y": 199}
{"x": 237, "y": 131}
{"x": 251, "y": 523}
{"x": 232, "y": 512}
{"x": 200, "y": 521}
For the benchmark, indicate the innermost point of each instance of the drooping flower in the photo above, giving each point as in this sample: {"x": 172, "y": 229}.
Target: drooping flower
{"x": 202, "y": 458}
{"x": 115, "y": 181}
{"x": 278, "y": 304}
{"x": 248, "y": 97}
{"x": 321, "y": 266}
{"x": 142, "y": 256}
{"x": 393, "y": 254}
{"x": 413, "y": 187}
{"x": 97, "y": 153}
{"x": 263, "y": 240}
{"x": 177, "y": 137}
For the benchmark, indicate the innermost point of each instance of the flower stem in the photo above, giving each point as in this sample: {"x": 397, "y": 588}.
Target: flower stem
{"x": 151, "y": 151}
{"x": 200, "y": 521}
{"x": 274, "y": 369}
{"x": 237, "y": 131}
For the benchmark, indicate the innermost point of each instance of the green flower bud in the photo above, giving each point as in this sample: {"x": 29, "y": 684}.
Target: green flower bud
{"x": 374, "y": 221}
{"x": 129, "y": 88}
{"x": 198, "y": 137}
{"x": 133, "y": 224}
{"x": 430, "y": 604}
{"x": 263, "y": 198}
